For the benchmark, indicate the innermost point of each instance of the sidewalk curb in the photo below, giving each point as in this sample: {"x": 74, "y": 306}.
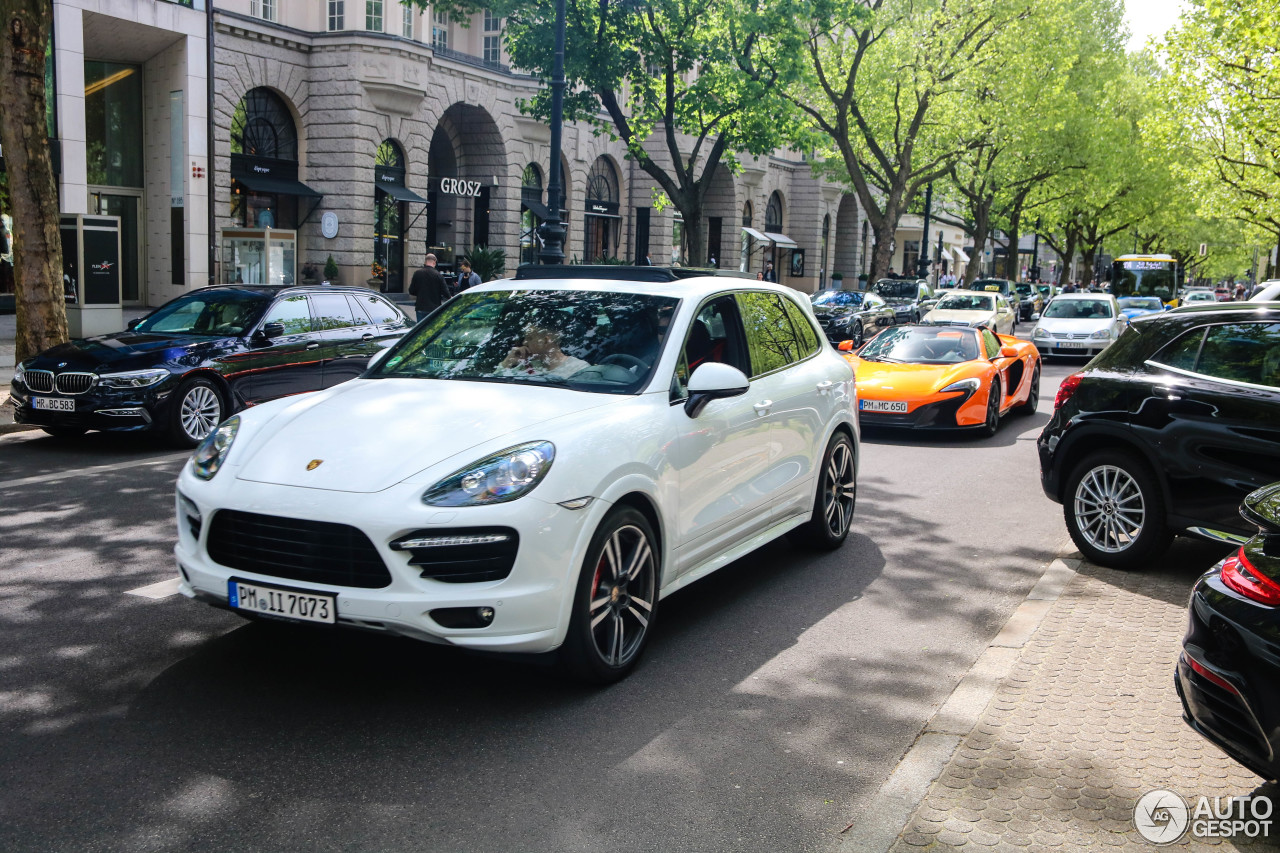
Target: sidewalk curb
{"x": 889, "y": 810}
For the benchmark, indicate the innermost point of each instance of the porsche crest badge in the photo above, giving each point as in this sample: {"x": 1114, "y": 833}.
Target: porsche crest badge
{"x": 314, "y": 464}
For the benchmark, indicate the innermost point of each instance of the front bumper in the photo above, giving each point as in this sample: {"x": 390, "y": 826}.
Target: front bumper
{"x": 1086, "y": 349}
{"x": 1228, "y": 674}
{"x": 114, "y": 410}
{"x": 531, "y": 604}
{"x": 959, "y": 412}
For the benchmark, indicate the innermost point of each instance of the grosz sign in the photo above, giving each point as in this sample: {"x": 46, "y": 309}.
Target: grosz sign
{"x": 454, "y": 186}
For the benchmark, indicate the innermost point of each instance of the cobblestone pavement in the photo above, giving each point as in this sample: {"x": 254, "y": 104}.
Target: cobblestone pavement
{"x": 1085, "y": 724}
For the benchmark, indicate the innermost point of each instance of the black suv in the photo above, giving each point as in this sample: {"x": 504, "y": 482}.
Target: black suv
{"x": 1166, "y": 431}
{"x": 193, "y": 361}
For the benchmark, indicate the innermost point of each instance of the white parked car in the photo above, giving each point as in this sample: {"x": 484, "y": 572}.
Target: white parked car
{"x": 532, "y": 468}
{"x": 972, "y": 308}
{"x": 1268, "y": 291}
{"x": 1078, "y": 324}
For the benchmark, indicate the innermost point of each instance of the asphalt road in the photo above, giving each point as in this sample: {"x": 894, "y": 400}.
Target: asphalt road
{"x": 776, "y": 697}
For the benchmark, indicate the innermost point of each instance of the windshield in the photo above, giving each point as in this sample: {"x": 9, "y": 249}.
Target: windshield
{"x": 1145, "y": 278}
{"x": 1023, "y": 288}
{"x": 837, "y": 298}
{"x": 989, "y": 285}
{"x": 1200, "y": 296}
{"x": 585, "y": 340}
{"x": 1078, "y": 309}
{"x": 217, "y": 313}
{"x": 894, "y": 289}
{"x": 966, "y": 302}
{"x": 922, "y": 345}
{"x": 1150, "y": 303}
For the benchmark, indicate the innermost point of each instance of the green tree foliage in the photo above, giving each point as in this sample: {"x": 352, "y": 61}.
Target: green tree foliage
{"x": 677, "y": 81}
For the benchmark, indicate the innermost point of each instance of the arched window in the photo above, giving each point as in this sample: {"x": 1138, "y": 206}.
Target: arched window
{"x": 389, "y": 214}
{"x": 263, "y": 127}
{"x": 389, "y": 155}
{"x": 744, "y": 259}
{"x": 532, "y": 213}
{"x": 602, "y": 219}
{"x": 773, "y": 214}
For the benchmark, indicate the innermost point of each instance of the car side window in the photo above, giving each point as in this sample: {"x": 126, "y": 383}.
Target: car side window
{"x": 770, "y": 336}
{"x": 990, "y": 343}
{"x": 1182, "y": 352}
{"x": 804, "y": 329}
{"x": 379, "y": 310}
{"x": 332, "y": 311}
{"x": 1242, "y": 352}
{"x": 292, "y": 313}
{"x": 714, "y": 335}
{"x": 357, "y": 311}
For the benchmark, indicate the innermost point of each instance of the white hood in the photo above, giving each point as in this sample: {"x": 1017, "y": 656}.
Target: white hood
{"x": 949, "y": 316}
{"x": 374, "y": 433}
{"x": 1075, "y": 326}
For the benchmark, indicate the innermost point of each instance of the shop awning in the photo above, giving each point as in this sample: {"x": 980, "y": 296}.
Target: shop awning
{"x": 400, "y": 193}
{"x": 281, "y": 186}
{"x": 754, "y": 234}
{"x": 782, "y": 241}
{"x": 946, "y": 254}
{"x": 961, "y": 256}
{"x": 539, "y": 209}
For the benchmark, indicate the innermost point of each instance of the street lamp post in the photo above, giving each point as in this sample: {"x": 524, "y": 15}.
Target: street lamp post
{"x": 553, "y": 229}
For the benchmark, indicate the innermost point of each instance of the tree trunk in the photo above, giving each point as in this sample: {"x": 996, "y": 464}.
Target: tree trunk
{"x": 33, "y": 196}
{"x": 981, "y": 231}
{"x": 1088, "y": 255}
{"x": 1013, "y": 260}
{"x": 695, "y": 232}
{"x": 1064, "y": 274}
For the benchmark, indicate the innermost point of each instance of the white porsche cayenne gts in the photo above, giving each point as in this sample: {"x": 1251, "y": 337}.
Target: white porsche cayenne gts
{"x": 532, "y": 468}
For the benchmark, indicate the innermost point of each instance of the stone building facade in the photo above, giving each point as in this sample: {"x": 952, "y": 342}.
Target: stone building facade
{"x": 407, "y": 137}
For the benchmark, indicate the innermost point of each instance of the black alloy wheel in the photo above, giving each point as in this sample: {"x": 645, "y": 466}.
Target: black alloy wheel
{"x": 994, "y": 398}
{"x": 837, "y": 496}
{"x": 615, "y": 601}
{"x": 1114, "y": 510}
{"x": 195, "y": 410}
{"x": 1033, "y": 395}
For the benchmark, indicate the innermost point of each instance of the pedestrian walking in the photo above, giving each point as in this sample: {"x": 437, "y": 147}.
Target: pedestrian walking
{"x": 769, "y": 274}
{"x": 466, "y": 278}
{"x": 428, "y": 287}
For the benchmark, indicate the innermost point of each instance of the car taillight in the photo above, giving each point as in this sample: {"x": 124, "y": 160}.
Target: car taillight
{"x": 1065, "y": 390}
{"x": 1242, "y": 576}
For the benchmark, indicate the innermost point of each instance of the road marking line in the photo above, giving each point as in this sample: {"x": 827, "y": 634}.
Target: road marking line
{"x": 156, "y": 591}
{"x": 62, "y": 475}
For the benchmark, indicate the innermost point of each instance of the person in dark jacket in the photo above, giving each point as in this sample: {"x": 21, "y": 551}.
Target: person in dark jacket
{"x": 428, "y": 288}
{"x": 466, "y": 276}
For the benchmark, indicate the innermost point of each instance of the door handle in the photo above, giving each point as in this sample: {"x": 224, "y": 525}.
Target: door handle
{"x": 763, "y": 407}
{"x": 824, "y": 386}
{"x": 1166, "y": 392}
{"x": 313, "y": 346}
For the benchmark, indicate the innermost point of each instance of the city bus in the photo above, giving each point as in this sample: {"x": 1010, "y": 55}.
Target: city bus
{"x": 1146, "y": 275}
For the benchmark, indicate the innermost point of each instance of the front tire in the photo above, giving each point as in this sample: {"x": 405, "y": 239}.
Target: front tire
{"x": 615, "y": 601}
{"x": 994, "y": 397}
{"x": 837, "y": 496}
{"x": 1115, "y": 511}
{"x": 1033, "y": 395}
{"x": 196, "y": 411}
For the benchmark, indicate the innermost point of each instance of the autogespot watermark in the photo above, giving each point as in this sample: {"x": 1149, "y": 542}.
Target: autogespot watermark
{"x": 1163, "y": 817}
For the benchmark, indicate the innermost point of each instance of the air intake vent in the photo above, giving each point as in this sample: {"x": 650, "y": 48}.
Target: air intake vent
{"x": 296, "y": 549}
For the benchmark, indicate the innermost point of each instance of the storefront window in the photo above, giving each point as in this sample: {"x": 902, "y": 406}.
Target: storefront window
{"x": 530, "y": 198}
{"x": 388, "y": 230}
{"x": 744, "y": 260}
{"x": 113, "y": 131}
{"x": 601, "y": 222}
{"x": 677, "y": 240}
{"x": 773, "y": 225}
{"x": 264, "y": 167}
{"x": 826, "y": 234}
{"x": 259, "y": 256}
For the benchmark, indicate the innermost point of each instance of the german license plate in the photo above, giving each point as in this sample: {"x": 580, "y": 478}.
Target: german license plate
{"x": 281, "y": 602}
{"x": 53, "y": 404}
{"x": 1069, "y": 345}
{"x": 882, "y": 406}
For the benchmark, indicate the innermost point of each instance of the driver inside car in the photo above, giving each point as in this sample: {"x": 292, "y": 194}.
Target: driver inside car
{"x": 539, "y": 354}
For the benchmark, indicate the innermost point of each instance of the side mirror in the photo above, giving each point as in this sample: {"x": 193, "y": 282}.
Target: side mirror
{"x": 1008, "y": 352}
{"x": 132, "y": 323}
{"x": 1035, "y": 315}
{"x": 845, "y": 346}
{"x": 377, "y": 357}
{"x": 271, "y": 330}
{"x": 713, "y": 381}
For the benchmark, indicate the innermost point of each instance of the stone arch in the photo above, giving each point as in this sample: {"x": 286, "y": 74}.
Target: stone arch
{"x": 845, "y": 251}
{"x": 465, "y": 159}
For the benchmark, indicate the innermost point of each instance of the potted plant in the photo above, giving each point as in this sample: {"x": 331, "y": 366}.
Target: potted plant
{"x": 379, "y": 276}
{"x": 310, "y": 273}
{"x": 489, "y": 263}
{"x": 837, "y": 280}
{"x": 330, "y": 270}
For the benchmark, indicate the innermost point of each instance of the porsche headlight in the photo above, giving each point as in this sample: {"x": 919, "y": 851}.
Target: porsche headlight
{"x": 133, "y": 378}
{"x": 211, "y": 452}
{"x": 502, "y": 477}
{"x": 1101, "y": 334}
{"x": 964, "y": 385}
{"x": 1039, "y": 334}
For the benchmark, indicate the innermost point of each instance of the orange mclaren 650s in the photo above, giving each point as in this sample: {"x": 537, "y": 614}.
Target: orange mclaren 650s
{"x": 944, "y": 377}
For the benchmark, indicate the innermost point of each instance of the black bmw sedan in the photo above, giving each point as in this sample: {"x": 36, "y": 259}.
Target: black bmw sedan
{"x": 1167, "y": 430}
{"x": 1228, "y": 675}
{"x": 189, "y": 364}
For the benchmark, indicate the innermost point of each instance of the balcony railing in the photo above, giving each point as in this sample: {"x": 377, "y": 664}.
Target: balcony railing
{"x": 468, "y": 59}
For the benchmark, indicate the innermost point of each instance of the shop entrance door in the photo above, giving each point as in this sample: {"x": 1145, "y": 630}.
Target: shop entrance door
{"x": 128, "y": 206}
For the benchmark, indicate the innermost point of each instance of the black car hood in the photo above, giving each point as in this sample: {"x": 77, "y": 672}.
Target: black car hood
{"x": 128, "y": 350}
{"x": 898, "y": 300}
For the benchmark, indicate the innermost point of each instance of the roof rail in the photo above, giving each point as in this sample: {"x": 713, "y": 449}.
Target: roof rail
{"x": 617, "y": 272}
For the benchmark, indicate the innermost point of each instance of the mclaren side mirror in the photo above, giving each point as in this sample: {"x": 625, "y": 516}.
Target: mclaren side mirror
{"x": 713, "y": 381}
{"x": 845, "y": 346}
{"x": 1008, "y": 352}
